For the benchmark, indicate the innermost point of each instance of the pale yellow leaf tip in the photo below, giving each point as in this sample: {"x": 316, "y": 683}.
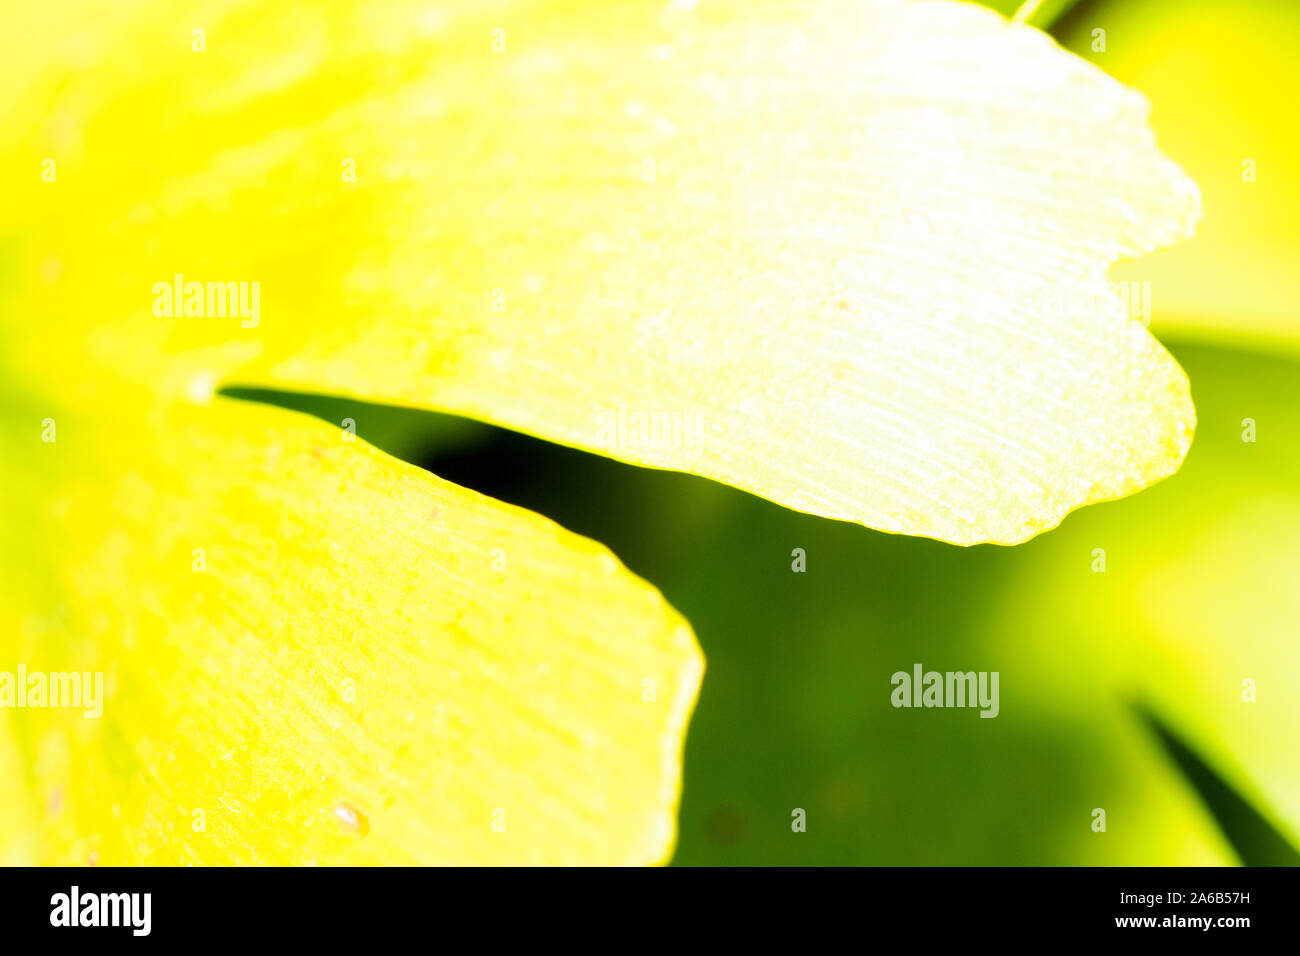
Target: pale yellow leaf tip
{"x": 1010, "y": 382}
{"x": 897, "y": 313}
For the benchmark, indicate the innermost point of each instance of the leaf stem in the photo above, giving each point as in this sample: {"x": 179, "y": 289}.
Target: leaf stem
{"x": 1027, "y": 10}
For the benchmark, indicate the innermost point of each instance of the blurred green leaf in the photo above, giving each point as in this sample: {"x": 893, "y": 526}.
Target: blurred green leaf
{"x": 1256, "y": 840}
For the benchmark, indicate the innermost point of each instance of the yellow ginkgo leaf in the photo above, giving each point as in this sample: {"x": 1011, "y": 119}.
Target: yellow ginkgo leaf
{"x": 850, "y": 256}
{"x": 313, "y": 652}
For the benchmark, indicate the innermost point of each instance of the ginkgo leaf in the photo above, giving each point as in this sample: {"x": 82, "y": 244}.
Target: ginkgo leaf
{"x": 1226, "y": 110}
{"x": 849, "y": 256}
{"x": 312, "y": 652}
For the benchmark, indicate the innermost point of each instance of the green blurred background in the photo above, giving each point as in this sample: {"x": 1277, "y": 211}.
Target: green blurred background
{"x": 1120, "y": 690}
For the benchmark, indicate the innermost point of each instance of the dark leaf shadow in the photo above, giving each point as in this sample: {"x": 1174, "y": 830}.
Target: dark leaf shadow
{"x": 1256, "y": 841}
